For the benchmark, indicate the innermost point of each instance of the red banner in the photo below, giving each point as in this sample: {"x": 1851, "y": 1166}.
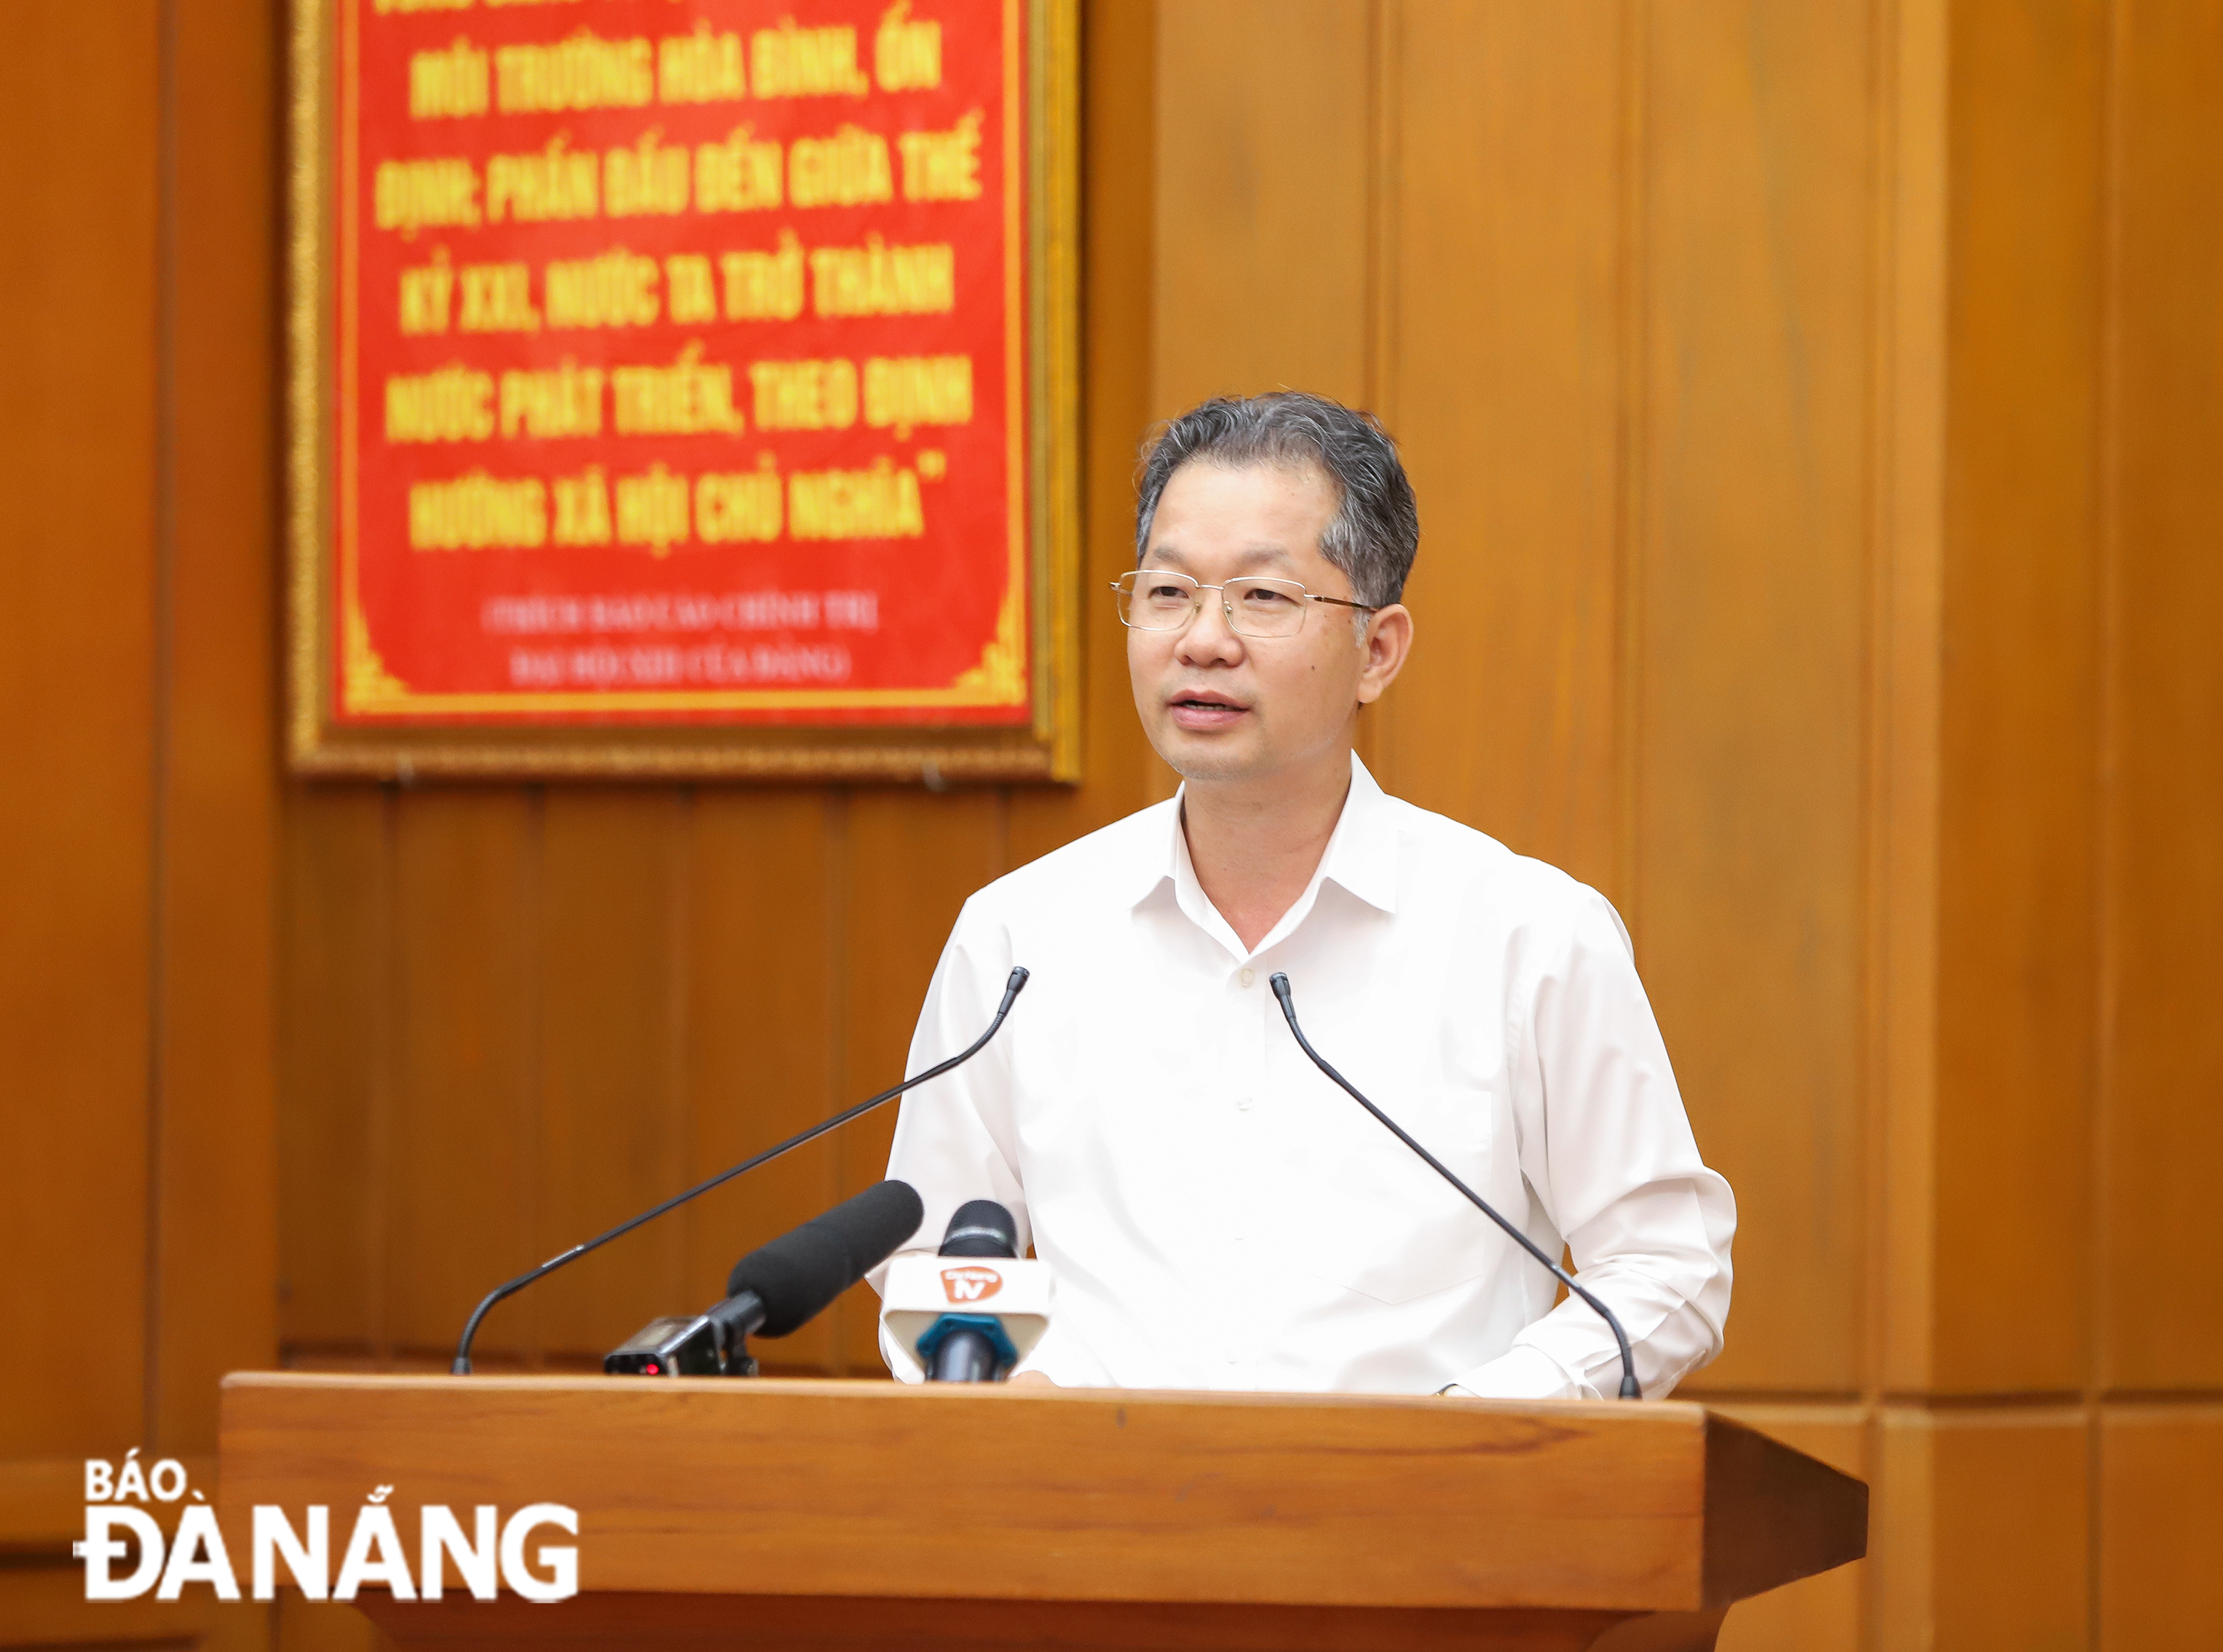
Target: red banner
{"x": 680, "y": 362}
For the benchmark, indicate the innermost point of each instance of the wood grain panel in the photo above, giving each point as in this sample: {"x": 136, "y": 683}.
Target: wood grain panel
{"x": 1506, "y": 376}
{"x": 77, "y": 362}
{"x": 909, "y": 863}
{"x": 1261, "y": 208}
{"x": 759, "y": 1057}
{"x": 2017, "y": 895}
{"x": 2160, "y": 1527}
{"x": 1903, "y": 1528}
{"x": 1902, "y": 954}
{"x": 2012, "y": 1550}
{"x": 1122, "y": 773}
{"x": 464, "y": 1164}
{"x": 2165, "y": 733}
{"x": 217, "y": 1199}
{"x": 325, "y": 1626}
{"x": 335, "y": 1021}
{"x": 610, "y": 1105}
{"x": 1749, "y": 898}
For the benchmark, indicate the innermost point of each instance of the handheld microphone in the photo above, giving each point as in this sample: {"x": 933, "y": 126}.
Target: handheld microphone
{"x": 972, "y": 1311}
{"x": 462, "y": 1366}
{"x": 1629, "y": 1391}
{"x": 963, "y": 1350}
{"x": 777, "y": 1288}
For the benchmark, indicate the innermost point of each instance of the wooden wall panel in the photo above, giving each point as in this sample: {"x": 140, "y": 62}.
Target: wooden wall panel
{"x": 461, "y": 1176}
{"x": 1262, "y": 210}
{"x": 2012, "y": 1533}
{"x": 1904, "y": 673}
{"x": 2017, "y": 896}
{"x": 335, "y": 1016}
{"x": 136, "y": 886}
{"x": 608, "y": 1095}
{"x": 1749, "y": 895}
{"x": 1504, "y": 385}
{"x": 2163, "y": 1134}
{"x": 761, "y": 992}
{"x": 2160, "y": 1527}
{"x": 216, "y": 1078}
{"x": 78, "y": 134}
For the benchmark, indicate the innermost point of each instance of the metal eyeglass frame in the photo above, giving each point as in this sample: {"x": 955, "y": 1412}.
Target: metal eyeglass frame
{"x": 1196, "y": 601}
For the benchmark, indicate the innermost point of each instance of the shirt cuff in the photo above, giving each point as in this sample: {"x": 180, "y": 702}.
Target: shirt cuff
{"x": 1523, "y": 1373}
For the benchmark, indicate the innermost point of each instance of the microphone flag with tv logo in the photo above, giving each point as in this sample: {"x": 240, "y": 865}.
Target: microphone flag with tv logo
{"x": 921, "y": 1287}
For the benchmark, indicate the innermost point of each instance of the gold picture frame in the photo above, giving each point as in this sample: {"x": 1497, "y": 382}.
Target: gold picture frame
{"x": 1047, "y": 748}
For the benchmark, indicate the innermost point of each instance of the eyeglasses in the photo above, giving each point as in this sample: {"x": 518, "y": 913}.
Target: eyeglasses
{"x": 1151, "y": 599}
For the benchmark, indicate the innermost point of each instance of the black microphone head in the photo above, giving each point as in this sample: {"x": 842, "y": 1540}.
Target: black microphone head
{"x": 981, "y": 1227}
{"x": 798, "y": 1275}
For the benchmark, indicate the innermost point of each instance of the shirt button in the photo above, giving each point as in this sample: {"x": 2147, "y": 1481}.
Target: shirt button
{"x": 1242, "y": 1104}
{"x": 1246, "y": 978}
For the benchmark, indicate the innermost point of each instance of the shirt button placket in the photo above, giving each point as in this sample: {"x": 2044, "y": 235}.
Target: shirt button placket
{"x": 1246, "y": 1092}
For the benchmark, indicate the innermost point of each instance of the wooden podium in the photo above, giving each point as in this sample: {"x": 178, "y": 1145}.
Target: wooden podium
{"x": 833, "y": 1517}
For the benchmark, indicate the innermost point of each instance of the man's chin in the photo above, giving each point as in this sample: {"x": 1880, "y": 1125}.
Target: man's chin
{"x": 1209, "y": 758}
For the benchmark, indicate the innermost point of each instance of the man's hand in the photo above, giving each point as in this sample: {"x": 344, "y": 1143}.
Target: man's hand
{"x": 1030, "y": 1379}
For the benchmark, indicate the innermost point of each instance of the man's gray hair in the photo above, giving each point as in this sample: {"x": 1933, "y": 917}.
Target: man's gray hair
{"x": 1376, "y": 530}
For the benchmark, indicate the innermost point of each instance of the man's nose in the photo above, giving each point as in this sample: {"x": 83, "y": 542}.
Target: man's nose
{"x": 1209, "y": 637}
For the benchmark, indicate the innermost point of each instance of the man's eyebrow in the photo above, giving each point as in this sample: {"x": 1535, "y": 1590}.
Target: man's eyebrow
{"x": 1257, "y": 554}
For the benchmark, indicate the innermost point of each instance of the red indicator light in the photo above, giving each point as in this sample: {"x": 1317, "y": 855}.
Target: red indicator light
{"x": 652, "y": 1368}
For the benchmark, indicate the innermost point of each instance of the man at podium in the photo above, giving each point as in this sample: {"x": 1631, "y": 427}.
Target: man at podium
{"x": 1218, "y": 1214}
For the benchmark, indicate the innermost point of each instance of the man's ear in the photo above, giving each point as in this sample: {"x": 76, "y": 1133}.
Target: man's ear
{"x": 1388, "y": 641}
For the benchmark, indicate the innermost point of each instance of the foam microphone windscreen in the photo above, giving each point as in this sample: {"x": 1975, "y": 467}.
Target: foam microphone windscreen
{"x": 799, "y": 1274}
{"x": 981, "y": 1227}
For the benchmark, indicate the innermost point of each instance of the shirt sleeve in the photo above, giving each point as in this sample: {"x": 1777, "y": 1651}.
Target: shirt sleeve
{"x": 1607, "y": 1148}
{"x": 953, "y": 1137}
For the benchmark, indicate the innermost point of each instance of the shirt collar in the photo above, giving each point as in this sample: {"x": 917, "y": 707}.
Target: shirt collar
{"x": 1361, "y": 856}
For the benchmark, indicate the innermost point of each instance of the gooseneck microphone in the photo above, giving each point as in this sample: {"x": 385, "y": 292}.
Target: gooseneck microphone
{"x": 1629, "y": 1391}
{"x": 462, "y": 1367}
{"x": 971, "y": 1348}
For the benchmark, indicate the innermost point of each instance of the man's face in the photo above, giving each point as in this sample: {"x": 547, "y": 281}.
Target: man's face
{"x": 1219, "y": 706}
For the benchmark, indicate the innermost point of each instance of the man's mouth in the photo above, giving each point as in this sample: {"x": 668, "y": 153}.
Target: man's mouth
{"x": 1205, "y": 711}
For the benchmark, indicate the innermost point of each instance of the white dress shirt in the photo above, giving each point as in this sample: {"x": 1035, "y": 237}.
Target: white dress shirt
{"x": 1221, "y": 1216}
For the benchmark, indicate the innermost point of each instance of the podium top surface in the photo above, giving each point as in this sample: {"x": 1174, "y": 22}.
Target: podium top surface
{"x": 769, "y": 1487}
